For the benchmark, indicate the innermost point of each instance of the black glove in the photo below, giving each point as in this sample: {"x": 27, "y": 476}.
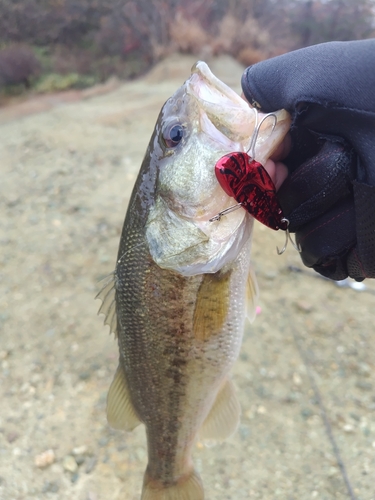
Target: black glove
{"x": 329, "y": 195}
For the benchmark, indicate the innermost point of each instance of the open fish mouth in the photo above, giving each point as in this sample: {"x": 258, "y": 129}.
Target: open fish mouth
{"x": 233, "y": 129}
{"x": 233, "y": 116}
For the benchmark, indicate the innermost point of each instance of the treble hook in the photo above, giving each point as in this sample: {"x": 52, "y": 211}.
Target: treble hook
{"x": 254, "y": 137}
{"x": 288, "y": 237}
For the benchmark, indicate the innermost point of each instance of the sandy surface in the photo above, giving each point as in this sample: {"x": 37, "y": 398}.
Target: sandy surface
{"x": 306, "y": 374}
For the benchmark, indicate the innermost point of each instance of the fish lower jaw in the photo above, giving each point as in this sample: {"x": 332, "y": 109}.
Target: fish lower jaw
{"x": 214, "y": 255}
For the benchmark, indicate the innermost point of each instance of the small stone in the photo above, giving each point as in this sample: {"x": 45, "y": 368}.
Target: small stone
{"x": 270, "y": 275}
{"x": 79, "y": 450}
{"x": 365, "y": 386}
{"x": 333, "y": 471}
{"x": 50, "y": 486}
{"x": 355, "y": 417}
{"x": 364, "y": 369}
{"x": 303, "y": 306}
{"x": 70, "y": 464}
{"x": 74, "y": 477}
{"x": 297, "y": 379}
{"x": 140, "y": 453}
{"x": 244, "y": 356}
{"x": 44, "y": 459}
{"x": 90, "y": 464}
{"x": 306, "y": 413}
{"x": 261, "y": 410}
{"x": 348, "y": 428}
{"x": 366, "y": 431}
{"x": 12, "y": 436}
{"x": 244, "y": 431}
{"x": 79, "y": 459}
{"x": 249, "y": 414}
{"x": 103, "y": 441}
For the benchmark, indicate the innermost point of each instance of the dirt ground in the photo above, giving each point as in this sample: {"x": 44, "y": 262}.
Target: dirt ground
{"x": 306, "y": 373}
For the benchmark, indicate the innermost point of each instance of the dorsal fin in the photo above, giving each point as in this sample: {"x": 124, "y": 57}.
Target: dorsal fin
{"x": 107, "y": 295}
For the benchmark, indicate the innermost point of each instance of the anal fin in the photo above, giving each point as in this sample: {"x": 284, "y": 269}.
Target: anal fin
{"x": 120, "y": 411}
{"x": 224, "y": 416}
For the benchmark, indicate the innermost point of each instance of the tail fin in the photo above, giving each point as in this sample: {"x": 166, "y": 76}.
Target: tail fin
{"x": 188, "y": 488}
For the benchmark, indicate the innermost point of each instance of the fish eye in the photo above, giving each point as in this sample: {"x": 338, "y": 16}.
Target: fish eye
{"x": 173, "y": 135}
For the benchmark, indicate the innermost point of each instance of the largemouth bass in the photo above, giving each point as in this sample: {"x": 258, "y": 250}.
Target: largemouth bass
{"x": 177, "y": 298}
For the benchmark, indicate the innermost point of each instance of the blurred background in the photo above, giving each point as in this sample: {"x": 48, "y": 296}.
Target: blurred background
{"x": 52, "y": 45}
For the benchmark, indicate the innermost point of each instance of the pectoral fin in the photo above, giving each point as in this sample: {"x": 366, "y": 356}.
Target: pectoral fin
{"x": 224, "y": 416}
{"x": 120, "y": 411}
{"x": 212, "y": 304}
{"x": 252, "y": 295}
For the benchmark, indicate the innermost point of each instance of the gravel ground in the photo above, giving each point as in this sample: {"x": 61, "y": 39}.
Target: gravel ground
{"x": 306, "y": 373}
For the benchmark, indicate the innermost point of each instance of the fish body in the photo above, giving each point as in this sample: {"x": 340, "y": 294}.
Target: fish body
{"x": 178, "y": 295}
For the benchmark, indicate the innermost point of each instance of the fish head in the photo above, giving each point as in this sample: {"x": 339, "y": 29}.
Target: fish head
{"x": 200, "y": 123}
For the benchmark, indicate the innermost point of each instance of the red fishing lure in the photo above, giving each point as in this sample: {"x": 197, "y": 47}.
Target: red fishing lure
{"x": 249, "y": 183}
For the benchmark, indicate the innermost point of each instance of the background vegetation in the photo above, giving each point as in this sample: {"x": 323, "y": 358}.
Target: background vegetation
{"x": 57, "y": 44}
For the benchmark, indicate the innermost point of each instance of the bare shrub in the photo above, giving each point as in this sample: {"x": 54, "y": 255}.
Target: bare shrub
{"x": 66, "y": 60}
{"x": 244, "y": 40}
{"x": 17, "y": 65}
{"x": 125, "y": 37}
{"x": 188, "y": 35}
{"x": 250, "y": 56}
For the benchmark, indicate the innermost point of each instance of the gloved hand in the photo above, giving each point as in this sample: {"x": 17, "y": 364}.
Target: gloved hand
{"x": 329, "y": 194}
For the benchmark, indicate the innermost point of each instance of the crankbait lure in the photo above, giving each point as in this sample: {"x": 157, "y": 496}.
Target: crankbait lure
{"x": 248, "y": 182}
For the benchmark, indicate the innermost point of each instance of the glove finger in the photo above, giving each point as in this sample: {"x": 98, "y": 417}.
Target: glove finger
{"x": 326, "y": 241}
{"x": 317, "y": 184}
{"x": 361, "y": 260}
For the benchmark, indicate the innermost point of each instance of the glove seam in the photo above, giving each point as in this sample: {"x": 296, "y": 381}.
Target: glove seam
{"x": 329, "y": 104}
{"x": 324, "y": 224}
{"x": 299, "y": 172}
